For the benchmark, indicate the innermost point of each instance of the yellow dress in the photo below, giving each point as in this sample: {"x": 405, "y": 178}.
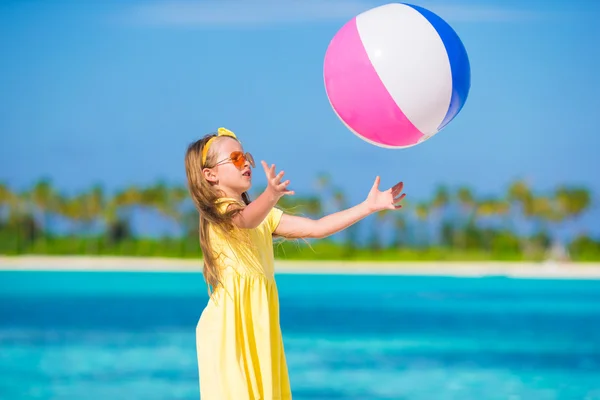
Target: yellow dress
{"x": 238, "y": 337}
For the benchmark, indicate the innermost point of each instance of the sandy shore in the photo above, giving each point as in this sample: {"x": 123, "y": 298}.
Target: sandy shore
{"x": 474, "y": 269}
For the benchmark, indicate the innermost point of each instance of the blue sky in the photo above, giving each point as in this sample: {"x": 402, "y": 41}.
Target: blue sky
{"x": 112, "y": 93}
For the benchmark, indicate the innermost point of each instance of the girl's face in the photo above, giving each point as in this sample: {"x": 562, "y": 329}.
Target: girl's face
{"x": 232, "y": 171}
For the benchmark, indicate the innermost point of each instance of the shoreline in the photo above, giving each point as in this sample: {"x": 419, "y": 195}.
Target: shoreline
{"x": 428, "y": 268}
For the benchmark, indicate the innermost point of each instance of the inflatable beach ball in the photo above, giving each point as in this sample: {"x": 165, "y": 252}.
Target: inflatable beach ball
{"x": 396, "y": 75}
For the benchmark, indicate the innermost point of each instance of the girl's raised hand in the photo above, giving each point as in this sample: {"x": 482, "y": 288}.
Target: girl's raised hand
{"x": 274, "y": 183}
{"x": 387, "y": 200}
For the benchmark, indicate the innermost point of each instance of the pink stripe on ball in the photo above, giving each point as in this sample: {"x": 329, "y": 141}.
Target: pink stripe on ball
{"x": 359, "y": 97}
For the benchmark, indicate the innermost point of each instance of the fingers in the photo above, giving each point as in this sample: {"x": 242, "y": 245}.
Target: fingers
{"x": 283, "y": 185}
{"x": 266, "y": 168}
{"x": 270, "y": 172}
{"x": 394, "y": 190}
{"x": 397, "y": 188}
{"x": 376, "y": 183}
{"x": 275, "y": 180}
{"x": 399, "y": 199}
{"x": 394, "y": 204}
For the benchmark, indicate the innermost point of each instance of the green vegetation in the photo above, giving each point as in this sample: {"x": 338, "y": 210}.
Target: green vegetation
{"x": 452, "y": 225}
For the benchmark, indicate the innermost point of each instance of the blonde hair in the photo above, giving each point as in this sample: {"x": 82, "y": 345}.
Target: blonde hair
{"x": 206, "y": 199}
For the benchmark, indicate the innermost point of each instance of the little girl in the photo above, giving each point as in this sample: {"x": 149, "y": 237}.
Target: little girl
{"x": 238, "y": 337}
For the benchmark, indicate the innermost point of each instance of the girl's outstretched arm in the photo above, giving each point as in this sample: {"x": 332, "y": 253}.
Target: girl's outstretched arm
{"x": 292, "y": 226}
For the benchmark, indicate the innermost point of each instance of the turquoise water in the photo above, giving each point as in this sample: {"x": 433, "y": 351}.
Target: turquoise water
{"x": 100, "y": 335}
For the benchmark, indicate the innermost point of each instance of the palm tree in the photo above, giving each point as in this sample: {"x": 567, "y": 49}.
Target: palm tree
{"x": 439, "y": 203}
{"x": 312, "y": 206}
{"x": 7, "y": 200}
{"x": 573, "y": 201}
{"x": 70, "y": 209}
{"x": 177, "y": 196}
{"x": 492, "y": 207}
{"x": 45, "y": 199}
{"x": 324, "y": 188}
{"x": 421, "y": 211}
{"x": 118, "y": 211}
{"x": 323, "y": 182}
{"x": 543, "y": 211}
{"x": 154, "y": 197}
{"x": 520, "y": 198}
{"x": 378, "y": 225}
{"x": 399, "y": 237}
{"x": 41, "y": 202}
{"x": 466, "y": 200}
{"x": 519, "y": 191}
{"x": 441, "y": 198}
{"x": 22, "y": 223}
{"x": 351, "y": 233}
{"x": 467, "y": 207}
{"x": 91, "y": 205}
{"x": 486, "y": 207}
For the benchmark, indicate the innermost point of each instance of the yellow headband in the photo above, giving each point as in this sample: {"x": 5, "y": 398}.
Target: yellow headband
{"x": 220, "y": 132}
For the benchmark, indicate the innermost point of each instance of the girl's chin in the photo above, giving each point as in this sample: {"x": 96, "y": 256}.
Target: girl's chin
{"x": 246, "y": 187}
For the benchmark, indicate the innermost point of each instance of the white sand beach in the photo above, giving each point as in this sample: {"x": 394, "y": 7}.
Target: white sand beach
{"x": 441, "y": 268}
